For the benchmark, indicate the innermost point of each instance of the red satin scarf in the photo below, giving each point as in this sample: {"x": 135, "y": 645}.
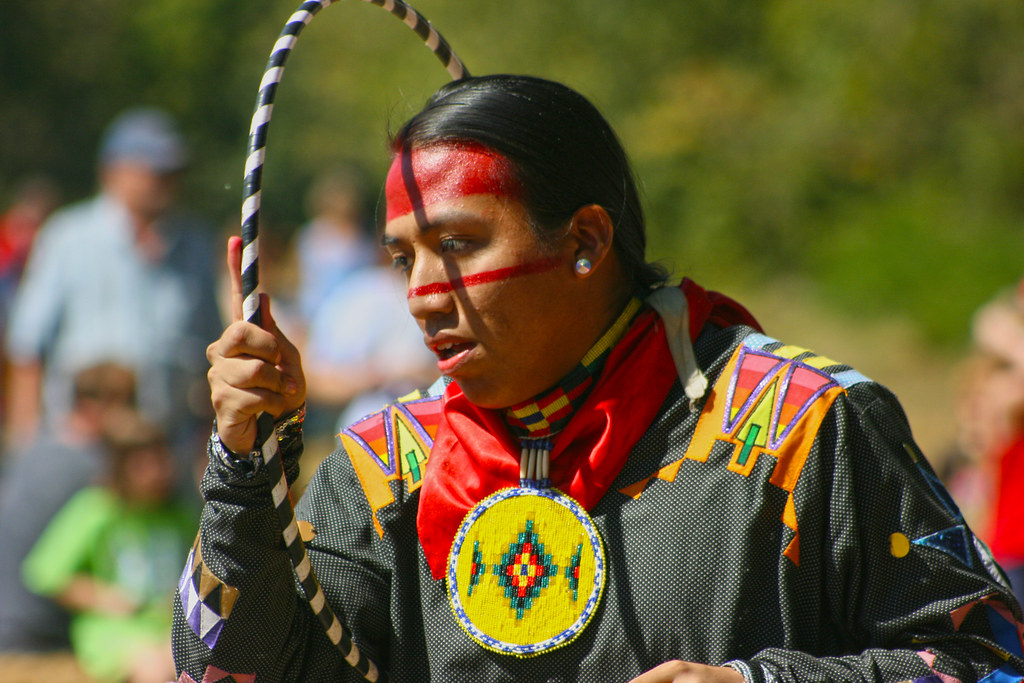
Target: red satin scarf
{"x": 474, "y": 454}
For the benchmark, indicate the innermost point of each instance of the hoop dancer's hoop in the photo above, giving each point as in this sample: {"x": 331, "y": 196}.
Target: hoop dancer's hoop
{"x": 336, "y": 631}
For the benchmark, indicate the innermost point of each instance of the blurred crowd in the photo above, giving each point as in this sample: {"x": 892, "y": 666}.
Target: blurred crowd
{"x": 985, "y": 471}
{"x": 107, "y": 305}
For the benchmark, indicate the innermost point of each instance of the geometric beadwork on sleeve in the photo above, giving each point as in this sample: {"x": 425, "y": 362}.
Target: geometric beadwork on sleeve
{"x": 1004, "y": 674}
{"x": 764, "y": 404}
{"x": 392, "y": 444}
{"x": 941, "y": 494}
{"x": 956, "y": 541}
{"x": 526, "y": 571}
{"x": 935, "y": 677}
{"x": 205, "y": 599}
{"x": 1007, "y": 632}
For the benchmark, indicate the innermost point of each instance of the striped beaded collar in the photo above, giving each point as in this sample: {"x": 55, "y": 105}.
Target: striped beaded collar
{"x": 546, "y": 414}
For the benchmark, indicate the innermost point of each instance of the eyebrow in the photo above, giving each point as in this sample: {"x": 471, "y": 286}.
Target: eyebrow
{"x": 387, "y": 240}
{"x": 446, "y": 216}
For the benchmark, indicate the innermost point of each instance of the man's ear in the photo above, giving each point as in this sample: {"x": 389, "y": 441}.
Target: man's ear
{"x": 592, "y": 232}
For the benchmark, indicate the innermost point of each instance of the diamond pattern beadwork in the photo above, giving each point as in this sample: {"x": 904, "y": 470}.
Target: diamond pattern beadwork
{"x": 524, "y": 570}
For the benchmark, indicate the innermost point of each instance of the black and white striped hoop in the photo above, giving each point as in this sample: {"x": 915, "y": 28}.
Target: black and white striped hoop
{"x": 252, "y": 184}
{"x": 252, "y": 192}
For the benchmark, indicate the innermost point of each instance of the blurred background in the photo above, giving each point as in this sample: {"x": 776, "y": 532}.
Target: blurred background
{"x": 853, "y": 170}
{"x": 857, "y": 163}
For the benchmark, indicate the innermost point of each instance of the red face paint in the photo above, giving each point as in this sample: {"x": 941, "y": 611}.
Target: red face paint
{"x": 485, "y": 277}
{"x": 445, "y": 171}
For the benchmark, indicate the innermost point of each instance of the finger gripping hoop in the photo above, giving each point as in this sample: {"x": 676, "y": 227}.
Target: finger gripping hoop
{"x": 252, "y": 184}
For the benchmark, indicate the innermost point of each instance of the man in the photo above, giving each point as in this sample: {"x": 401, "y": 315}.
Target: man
{"x": 622, "y": 480}
{"x": 118, "y": 276}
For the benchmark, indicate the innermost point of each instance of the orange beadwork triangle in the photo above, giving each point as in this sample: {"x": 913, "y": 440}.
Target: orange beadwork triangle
{"x": 666, "y": 473}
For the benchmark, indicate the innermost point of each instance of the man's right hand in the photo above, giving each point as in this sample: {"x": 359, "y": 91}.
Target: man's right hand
{"x": 253, "y": 369}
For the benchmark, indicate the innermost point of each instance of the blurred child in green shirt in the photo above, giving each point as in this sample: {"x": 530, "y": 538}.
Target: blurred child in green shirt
{"x": 111, "y": 556}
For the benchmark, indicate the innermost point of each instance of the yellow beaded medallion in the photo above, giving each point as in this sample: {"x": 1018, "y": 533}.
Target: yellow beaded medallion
{"x": 526, "y": 571}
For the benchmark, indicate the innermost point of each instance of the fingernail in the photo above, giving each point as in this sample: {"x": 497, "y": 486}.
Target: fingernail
{"x": 290, "y": 386}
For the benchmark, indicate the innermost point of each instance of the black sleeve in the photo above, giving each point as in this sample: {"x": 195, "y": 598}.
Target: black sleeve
{"x": 912, "y": 587}
{"x": 239, "y": 608}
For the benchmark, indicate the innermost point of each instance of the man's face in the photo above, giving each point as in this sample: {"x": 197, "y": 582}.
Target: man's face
{"x": 143, "y": 191}
{"x": 490, "y": 297}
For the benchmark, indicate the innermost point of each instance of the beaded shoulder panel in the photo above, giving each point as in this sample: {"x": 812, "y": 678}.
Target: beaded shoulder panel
{"x": 768, "y": 401}
{"x": 393, "y": 444}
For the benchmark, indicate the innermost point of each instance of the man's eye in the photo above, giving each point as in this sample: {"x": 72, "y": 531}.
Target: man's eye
{"x": 400, "y": 263}
{"x": 450, "y": 244}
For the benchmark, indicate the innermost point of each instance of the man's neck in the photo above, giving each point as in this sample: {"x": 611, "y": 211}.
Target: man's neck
{"x": 149, "y": 240}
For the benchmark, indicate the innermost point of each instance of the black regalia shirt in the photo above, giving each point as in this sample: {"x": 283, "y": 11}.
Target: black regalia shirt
{"x": 785, "y": 525}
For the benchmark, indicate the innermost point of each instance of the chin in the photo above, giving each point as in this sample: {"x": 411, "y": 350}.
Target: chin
{"x": 486, "y": 395}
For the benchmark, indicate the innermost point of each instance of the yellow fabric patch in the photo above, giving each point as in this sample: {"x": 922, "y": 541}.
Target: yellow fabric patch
{"x": 306, "y": 531}
{"x": 899, "y": 545}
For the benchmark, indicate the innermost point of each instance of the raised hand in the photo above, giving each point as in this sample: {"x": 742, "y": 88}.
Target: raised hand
{"x": 253, "y": 369}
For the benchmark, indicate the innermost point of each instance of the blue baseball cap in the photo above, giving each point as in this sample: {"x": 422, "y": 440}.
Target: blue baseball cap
{"x": 145, "y": 135}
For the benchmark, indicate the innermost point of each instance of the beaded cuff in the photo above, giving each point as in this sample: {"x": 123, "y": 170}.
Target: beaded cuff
{"x": 246, "y": 465}
{"x": 289, "y": 437}
{"x": 289, "y": 429}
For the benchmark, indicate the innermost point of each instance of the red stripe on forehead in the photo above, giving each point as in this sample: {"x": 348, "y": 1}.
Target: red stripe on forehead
{"x": 445, "y": 171}
{"x": 485, "y": 277}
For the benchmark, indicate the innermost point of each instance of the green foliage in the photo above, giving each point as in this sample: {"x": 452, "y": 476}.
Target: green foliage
{"x": 873, "y": 147}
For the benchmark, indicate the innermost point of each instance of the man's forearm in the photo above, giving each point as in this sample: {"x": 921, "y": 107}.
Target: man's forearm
{"x": 22, "y": 402}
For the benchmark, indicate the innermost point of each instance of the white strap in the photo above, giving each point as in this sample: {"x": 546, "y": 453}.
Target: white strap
{"x": 670, "y": 303}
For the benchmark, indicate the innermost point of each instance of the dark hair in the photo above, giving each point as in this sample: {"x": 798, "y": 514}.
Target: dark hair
{"x": 564, "y": 154}
{"x": 131, "y": 439}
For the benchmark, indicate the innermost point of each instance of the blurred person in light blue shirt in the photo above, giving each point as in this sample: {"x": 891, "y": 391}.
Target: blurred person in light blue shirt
{"x": 120, "y": 276}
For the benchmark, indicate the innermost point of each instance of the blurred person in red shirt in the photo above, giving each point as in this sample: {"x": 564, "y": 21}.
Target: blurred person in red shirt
{"x": 33, "y": 200}
{"x": 992, "y": 423}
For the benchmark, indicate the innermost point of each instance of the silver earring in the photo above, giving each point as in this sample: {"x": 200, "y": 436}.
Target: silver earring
{"x": 583, "y": 265}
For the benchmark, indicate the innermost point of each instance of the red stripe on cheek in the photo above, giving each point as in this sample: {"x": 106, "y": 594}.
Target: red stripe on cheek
{"x": 485, "y": 277}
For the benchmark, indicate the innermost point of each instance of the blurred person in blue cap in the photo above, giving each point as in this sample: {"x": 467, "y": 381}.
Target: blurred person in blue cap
{"x": 119, "y": 276}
